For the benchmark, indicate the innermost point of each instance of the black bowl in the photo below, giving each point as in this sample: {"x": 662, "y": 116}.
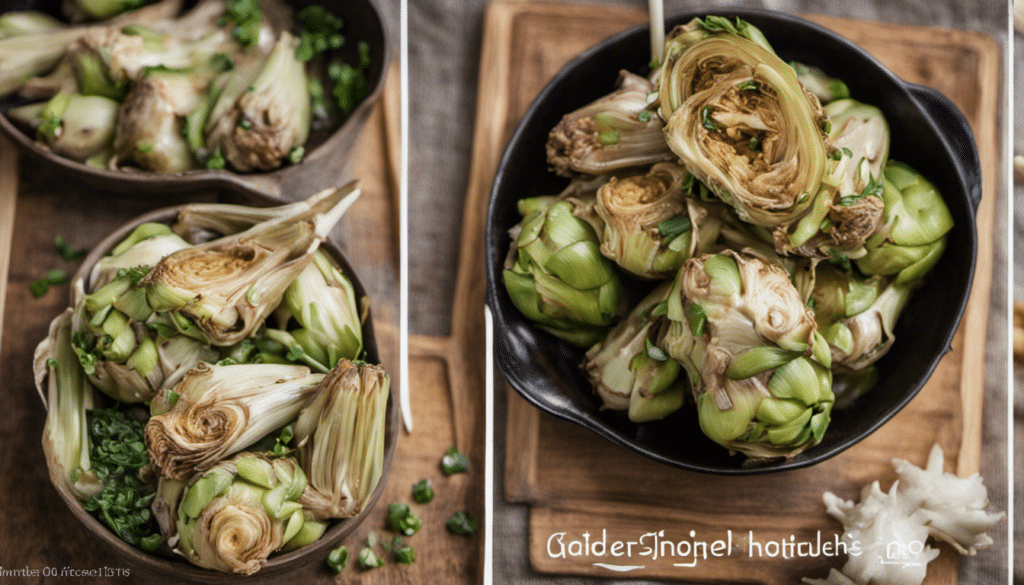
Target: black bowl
{"x": 928, "y": 132}
{"x": 327, "y": 150}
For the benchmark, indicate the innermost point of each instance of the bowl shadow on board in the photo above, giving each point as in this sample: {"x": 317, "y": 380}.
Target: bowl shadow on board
{"x": 927, "y": 131}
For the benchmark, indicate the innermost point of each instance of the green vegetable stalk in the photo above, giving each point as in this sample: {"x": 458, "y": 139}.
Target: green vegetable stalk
{"x": 628, "y": 369}
{"x": 915, "y": 223}
{"x": 856, "y": 315}
{"x": 740, "y": 121}
{"x": 341, "y": 433}
{"x": 556, "y": 275}
{"x": 615, "y": 132}
{"x": 263, "y": 114}
{"x": 233, "y": 516}
{"x": 219, "y": 410}
{"x": 758, "y": 368}
{"x": 650, "y": 228}
{"x": 67, "y": 395}
{"x": 228, "y": 286}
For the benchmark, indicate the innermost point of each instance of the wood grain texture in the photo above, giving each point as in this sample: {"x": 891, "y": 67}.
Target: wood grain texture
{"x": 579, "y": 484}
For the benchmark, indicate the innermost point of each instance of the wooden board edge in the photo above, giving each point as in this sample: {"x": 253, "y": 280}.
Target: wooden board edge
{"x": 976, "y": 318}
{"x": 8, "y": 202}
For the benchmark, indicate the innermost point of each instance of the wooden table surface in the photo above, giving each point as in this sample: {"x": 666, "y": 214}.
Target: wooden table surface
{"x": 444, "y": 49}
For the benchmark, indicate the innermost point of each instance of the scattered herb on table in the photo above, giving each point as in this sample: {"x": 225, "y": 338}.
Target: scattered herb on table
{"x": 422, "y": 491}
{"x": 400, "y": 519}
{"x": 462, "y": 523}
{"x": 454, "y": 462}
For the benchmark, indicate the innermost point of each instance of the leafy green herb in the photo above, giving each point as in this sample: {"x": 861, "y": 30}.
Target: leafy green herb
{"x": 688, "y": 183}
{"x": 392, "y": 544}
{"x": 321, "y": 30}
{"x": 51, "y": 363}
{"x": 405, "y": 555}
{"x": 838, "y": 89}
{"x": 755, "y": 143}
{"x": 135, "y": 274}
{"x": 38, "y": 288}
{"x": 350, "y": 83}
{"x": 369, "y": 559}
{"x": 295, "y": 353}
{"x": 216, "y": 160}
{"x": 826, "y": 225}
{"x": 674, "y": 226}
{"x": 144, "y": 147}
{"x": 847, "y": 152}
{"x": 454, "y": 462}
{"x": 337, "y": 559}
{"x": 286, "y": 436}
{"x": 748, "y": 85}
{"x": 118, "y": 452}
{"x": 245, "y": 124}
{"x": 644, "y": 116}
{"x": 67, "y": 251}
{"x": 839, "y": 259}
{"x": 653, "y": 64}
{"x": 295, "y": 155}
{"x": 462, "y": 523}
{"x": 422, "y": 491}
{"x": 246, "y": 16}
{"x": 660, "y": 309}
{"x": 400, "y": 519}
{"x": 222, "y": 62}
{"x": 706, "y": 121}
{"x": 698, "y": 319}
{"x": 654, "y": 352}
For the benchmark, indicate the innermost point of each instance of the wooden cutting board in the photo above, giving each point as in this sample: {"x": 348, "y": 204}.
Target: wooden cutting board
{"x": 582, "y": 489}
{"x": 41, "y": 533}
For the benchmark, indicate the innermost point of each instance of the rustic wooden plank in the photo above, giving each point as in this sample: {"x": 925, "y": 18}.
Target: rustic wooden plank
{"x": 577, "y": 482}
{"x": 8, "y": 203}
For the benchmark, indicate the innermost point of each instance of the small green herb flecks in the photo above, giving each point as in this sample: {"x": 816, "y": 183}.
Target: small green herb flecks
{"x": 644, "y": 116}
{"x": 405, "y": 555}
{"x": 706, "y": 121}
{"x": 422, "y": 491}
{"x": 454, "y": 462}
{"x": 654, "y": 352}
{"x": 369, "y": 559}
{"x": 66, "y": 250}
{"x": 337, "y": 559}
{"x": 400, "y": 519}
{"x": 674, "y": 226}
{"x": 462, "y": 523}
{"x": 216, "y": 160}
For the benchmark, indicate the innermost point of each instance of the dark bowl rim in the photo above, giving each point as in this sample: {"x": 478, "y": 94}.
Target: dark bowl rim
{"x": 277, "y": 564}
{"x": 128, "y": 183}
{"x": 815, "y": 455}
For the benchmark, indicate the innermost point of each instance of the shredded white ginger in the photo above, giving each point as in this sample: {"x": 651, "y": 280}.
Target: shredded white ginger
{"x": 886, "y": 533}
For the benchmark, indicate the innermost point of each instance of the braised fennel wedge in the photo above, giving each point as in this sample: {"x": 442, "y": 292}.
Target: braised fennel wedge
{"x": 229, "y": 84}
{"x": 755, "y": 202}
{"x": 186, "y": 352}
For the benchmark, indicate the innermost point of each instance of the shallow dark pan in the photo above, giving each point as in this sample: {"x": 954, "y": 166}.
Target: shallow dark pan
{"x": 928, "y": 132}
{"x": 178, "y": 570}
{"x": 326, "y": 152}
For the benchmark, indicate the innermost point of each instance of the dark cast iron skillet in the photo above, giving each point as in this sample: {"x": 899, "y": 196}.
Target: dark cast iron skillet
{"x": 327, "y": 151}
{"x": 928, "y": 132}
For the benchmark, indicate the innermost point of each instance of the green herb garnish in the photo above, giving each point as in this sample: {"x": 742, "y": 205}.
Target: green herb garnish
{"x": 462, "y": 523}
{"x": 454, "y": 462}
{"x": 422, "y": 491}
